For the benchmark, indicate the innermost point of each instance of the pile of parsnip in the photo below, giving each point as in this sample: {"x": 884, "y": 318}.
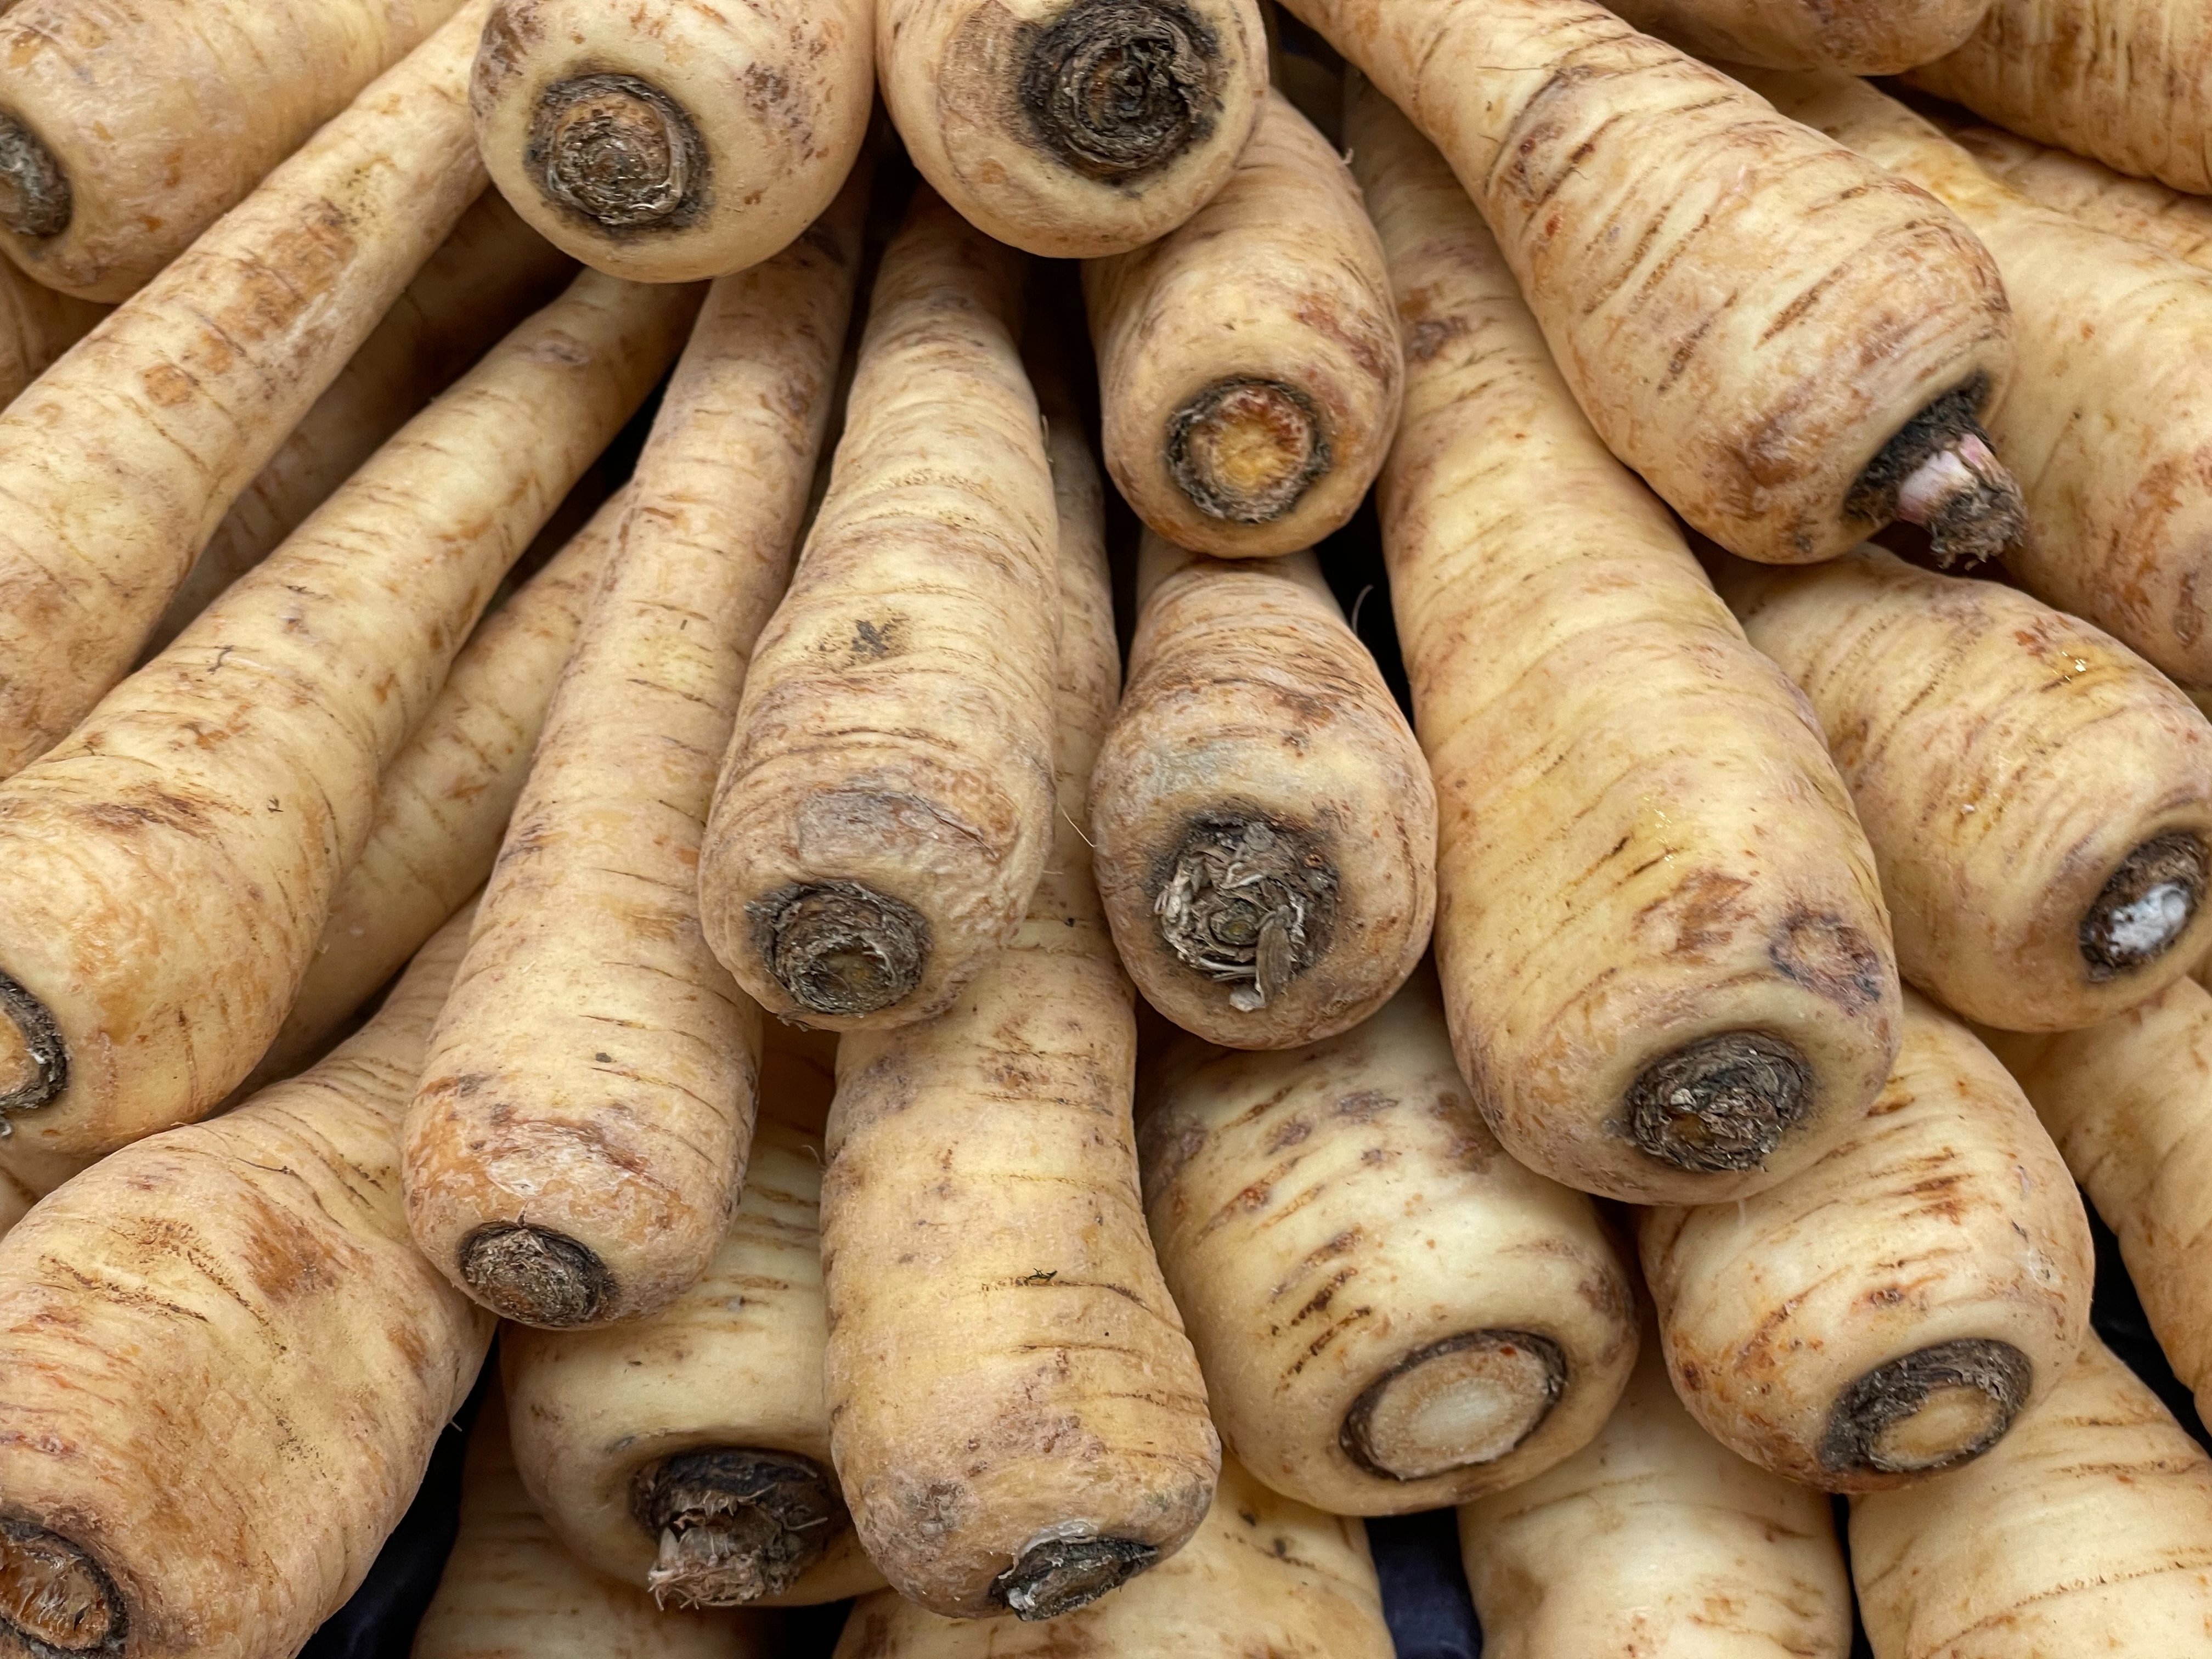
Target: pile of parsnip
{"x": 970, "y": 1052}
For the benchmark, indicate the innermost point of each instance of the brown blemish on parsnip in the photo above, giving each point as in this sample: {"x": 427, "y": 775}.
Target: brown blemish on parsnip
{"x": 735, "y": 1524}
{"x": 54, "y": 1598}
{"x": 35, "y": 191}
{"x": 1119, "y": 88}
{"x": 534, "y": 1276}
{"x": 620, "y": 154}
{"x": 839, "y": 947}
{"x": 1246, "y": 450}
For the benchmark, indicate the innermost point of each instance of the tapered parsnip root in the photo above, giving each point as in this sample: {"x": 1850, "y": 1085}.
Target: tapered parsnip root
{"x": 1862, "y": 37}
{"x": 885, "y": 807}
{"x": 1261, "y": 1575}
{"x": 2087, "y": 1530}
{"x": 2039, "y": 798}
{"x": 171, "y": 865}
{"x": 1264, "y": 825}
{"x": 1248, "y": 361}
{"x": 36, "y": 326}
{"x": 127, "y": 130}
{"x": 119, "y": 461}
{"x": 1893, "y": 1310}
{"x": 2167, "y": 218}
{"x": 983, "y": 1242}
{"x": 1391, "y": 1313}
{"x": 1661, "y": 944}
{"x": 1632, "y": 189}
{"x": 667, "y": 143}
{"x": 192, "y": 1323}
{"x": 1655, "y": 1539}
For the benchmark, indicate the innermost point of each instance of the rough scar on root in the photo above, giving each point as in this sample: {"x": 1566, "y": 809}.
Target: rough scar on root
{"x": 535, "y": 1276}
{"x": 1118, "y": 88}
{"x": 1466, "y": 1401}
{"x": 34, "y": 192}
{"x": 618, "y": 152}
{"x": 54, "y": 1598}
{"x": 2145, "y": 906}
{"x": 1928, "y": 1410}
{"x": 1246, "y": 450}
{"x": 34, "y": 1066}
{"x": 1939, "y": 472}
{"x": 1057, "y": 1576}
{"x": 1247, "y": 903}
{"x": 840, "y": 948}
{"x": 1722, "y": 1102}
{"x": 735, "y": 1524}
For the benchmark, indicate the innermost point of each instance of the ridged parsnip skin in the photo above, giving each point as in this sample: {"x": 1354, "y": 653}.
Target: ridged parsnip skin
{"x": 223, "y": 1365}
{"x": 2007, "y": 760}
{"x": 485, "y": 278}
{"x": 443, "y": 803}
{"x": 171, "y": 866}
{"x": 592, "y": 1080}
{"x": 735, "y": 1362}
{"x": 1643, "y": 845}
{"x": 1864, "y": 37}
{"x": 2124, "y": 81}
{"x": 510, "y": 1591}
{"x": 36, "y": 326}
{"x": 1655, "y": 1540}
{"x": 160, "y": 117}
{"x": 2087, "y": 1531}
{"x": 2129, "y": 1103}
{"x": 1632, "y": 189}
{"x": 669, "y": 142}
{"x": 1257, "y": 738}
{"x": 1262, "y": 1575}
{"x": 1249, "y": 360}
{"x": 2108, "y": 420}
{"x": 1017, "y": 1416}
{"x": 1073, "y": 129}
{"x": 2089, "y": 190}
{"x": 1948, "y": 1219}
{"x": 1329, "y": 1217}
{"x": 118, "y": 462}
{"x": 895, "y": 739}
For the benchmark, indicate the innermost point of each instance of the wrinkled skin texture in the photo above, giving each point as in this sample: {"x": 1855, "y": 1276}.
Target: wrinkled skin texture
{"x": 1864, "y": 37}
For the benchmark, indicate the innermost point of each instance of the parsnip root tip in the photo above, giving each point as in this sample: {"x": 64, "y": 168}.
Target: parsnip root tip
{"x": 620, "y": 152}
{"x": 1722, "y": 1102}
{"x": 840, "y": 948}
{"x": 54, "y": 1598}
{"x": 34, "y": 192}
{"x": 534, "y": 1276}
{"x": 735, "y": 1525}
{"x": 2146, "y": 906}
{"x": 33, "y": 1056}
{"x": 1940, "y": 473}
{"x": 1246, "y": 450}
{"x": 1931, "y": 1409}
{"x": 1118, "y": 88}
{"x": 1467, "y": 1400}
{"x": 1058, "y": 1577}
{"x": 1247, "y": 903}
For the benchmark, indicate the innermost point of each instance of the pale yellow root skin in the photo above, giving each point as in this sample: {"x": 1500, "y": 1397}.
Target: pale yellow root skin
{"x": 1641, "y": 842}
{"x": 1655, "y": 1542}
{"x": 2089, "y": 190}
{"x": 226, "y": 1333}
{"x": 896, "y": 731}
{"x": 36, "y": 326}
{"x": 443, "y": 803}
{"x": 2087, "y": 1531}
{"x": 119, "y": 461}
{"x": 1948, "y": 1216}
{"x": 1251, "y": 702}
{"x": 1249, "y": 367}
{"x": 2105, "y": 421}
{"x": 1631, "y": 187}
{"x": 734, "y": 1362}
{"x": 2124, "y": 81}
{"x": 1864, "y": 37}
{"x": 953, "y": 74}
{"x": 173, "y": 864}
{"x": 1261, "y": 1575}
{"x": 750, "y": 118}
{"x": 27, "y": 1175}
{"x": 162, "y": 116}
{"x": 1326, "y": 1215}
{"x": 510, "y": 1591}
{"x": 2006, "y": 759}
{"x": 1005, "y": 1365}
{"x": 485, "y": 278}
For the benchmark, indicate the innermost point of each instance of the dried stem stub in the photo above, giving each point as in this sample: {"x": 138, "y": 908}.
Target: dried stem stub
{"x": 1931, "y": 1409}
{"x": 34, "y": 192}
{"x": 1466, "y": 1401}
{"x": 840, "y": 948}
{"x": 1246, "y": 450}
{"x": 54, "y": 1598}
{"x": 1057, "y": 1576}
{"x": 618, "y": 152}
{"x": 1940, "y": 472}
{"x": 1118, "y": 88}
{"x": 1247, "y": 903}
{"x": 736, "y": 1525}
{"x": 2146, "y": 905}
{"x": 35, "y": 1067}
{"x": 1722, "y": 1103}
{"x": 535, "y": 1276}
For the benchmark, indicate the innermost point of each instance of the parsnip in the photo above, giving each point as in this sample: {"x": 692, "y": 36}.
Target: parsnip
{"x": 1073, "y": 129}
{"x": 1864, "y": 37}
{"x": 127, "y": 129}
{"x": 665, "y": 142}
{"x": 2039, "y": 798}
{"x": 687, "y": 1452}
{"x": 1663, "y": 951}
{"x": 2091, "y": 191}
{"x": 1262, "y": 1575}
{"x": 884, "y": 809}
{"x": 223, "y": 1366}
{"x": 1655, "y": 1542}
{"x": 1894, "y": 1309}
{"x": 27, "y": 1176}
{"x": 1249, "y": 366}
{"x": 2090, "y": 1530}
{"x": 1791, "y": 346}
{"x": 1391, "y": 1313}
{"x": 1017, "y": 1418}
{"x": 119, "y": 461}
{"x": 170, "y": 867}
{"x": 36, "y": 326}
